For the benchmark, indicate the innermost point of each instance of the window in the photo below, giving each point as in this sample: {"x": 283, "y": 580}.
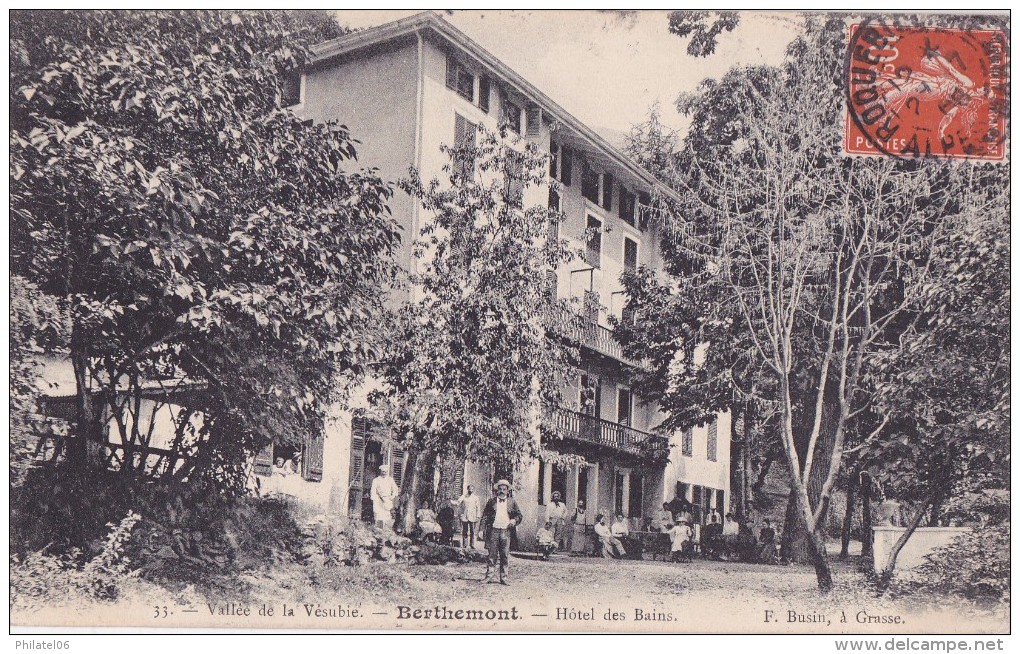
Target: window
{"x": 484, "y": 90}
{"x": 629, "y": 255}
{"x": 591, "y": 392}
{"x": 559, "y": 481}
{"x": 593, "y": 242}
{"x": 590, "y": 183}
{"x": 688, "y": 443}
{"x": 464, "y": 140}
{"x": 290, "y": 88}
{"x": 626, "y": 206}
{"x": 713, "y": 441}
{"x": 607, "y": 192}
{"x": 566, "y": 166}
{"x": 681, "y": 490}
{"x": 514, "y": 179}
{"x": 511, "y": 115}
{"x": 644, "y": 205}
{"x": 637, "y": 496}
{"x": 624, "y": 406}
{"x": 459, "y": 79}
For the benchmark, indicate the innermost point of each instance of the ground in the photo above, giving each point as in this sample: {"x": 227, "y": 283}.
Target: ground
{"x": 565, "y": 593}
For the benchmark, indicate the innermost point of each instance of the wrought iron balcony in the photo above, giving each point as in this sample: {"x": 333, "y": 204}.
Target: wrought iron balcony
{"x": 578, "y": 426}
{"x": 588, "y": 333}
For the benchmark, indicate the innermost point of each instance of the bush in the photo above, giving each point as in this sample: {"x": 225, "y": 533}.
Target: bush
{"x": 40, "y": 578}
{"x": 186, "y": 532}
{"x": 974, "y": 566}
{"x": 351, "y": 543}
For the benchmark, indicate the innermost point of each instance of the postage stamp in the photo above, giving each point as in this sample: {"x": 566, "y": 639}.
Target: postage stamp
{"x": 918, "y": 92}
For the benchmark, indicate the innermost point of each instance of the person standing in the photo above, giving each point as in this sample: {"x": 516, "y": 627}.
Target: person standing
{"x": 470, "y": 513}
{"x": 500, "y": 516}
{"x": 557, "y": 515}
{"x": 384, "y": 493}
{"x": 579, "y": 526}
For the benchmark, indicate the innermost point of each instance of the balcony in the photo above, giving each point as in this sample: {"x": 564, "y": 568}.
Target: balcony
{"x": 582, "y": 427}
{"x": 588, "y": 333}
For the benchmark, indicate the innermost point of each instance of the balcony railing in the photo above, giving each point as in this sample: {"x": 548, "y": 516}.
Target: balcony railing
{"x": 583, "y": 427}
{"x": 590, "y": 334}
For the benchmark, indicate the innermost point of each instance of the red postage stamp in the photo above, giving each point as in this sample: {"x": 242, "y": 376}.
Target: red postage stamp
{"x": 916, "y": 92}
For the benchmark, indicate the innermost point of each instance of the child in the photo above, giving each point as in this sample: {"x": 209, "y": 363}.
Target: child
{"x": 680, "y": 549}
{"x": 546, "y": 540}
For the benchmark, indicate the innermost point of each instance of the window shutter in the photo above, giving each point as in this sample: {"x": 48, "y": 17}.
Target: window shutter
{"x": 713, "y": 440}
{"x": 554, "y": 155}
{"x": 551, "y": 284}
{"x": 688, "y": 443}
{"x": 534, "y": 120}
{"x": 720, "y": 502}
{"x": 451, "y": 73}
{"x": 483, "y": 93}
{"x": 464, "y": 135}
{"x": 607, "y": 192}
{"x": 263, "y": 463}
{"x": 554, "y": 204}
{"x": 514, "y": 186}
{"x": 290, "y": 88}
{"x": 312, "y": 458}
{"x": 397, "y": 466}
{"x": 644, "y": 203}
{"x": 458, "y": 482}
{"x": 359, "y": 439}
{"x": 566, "y": 165}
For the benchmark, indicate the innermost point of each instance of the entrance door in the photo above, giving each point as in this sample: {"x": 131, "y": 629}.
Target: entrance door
{"x": 373, "y": 459}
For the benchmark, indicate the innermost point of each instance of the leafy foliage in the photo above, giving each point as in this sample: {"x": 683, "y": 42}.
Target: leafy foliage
{"x": 473, "y": 362}
{"x": 196, "y": 229}
{"x": 704, "y": 28}
{"x": 38, "y": 325}
{"x": 39, "y": 578}
{"x": 975, "y": 566}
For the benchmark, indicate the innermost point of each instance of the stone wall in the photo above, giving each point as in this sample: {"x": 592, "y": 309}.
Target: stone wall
{"x": 921, "y": 542}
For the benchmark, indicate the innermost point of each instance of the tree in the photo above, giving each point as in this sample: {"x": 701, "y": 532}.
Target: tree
{"x": 812, "y": 250}
{"x": 946, "y": 388}
{"x": 196, "y": 230}
{"x": 474, "y": 370}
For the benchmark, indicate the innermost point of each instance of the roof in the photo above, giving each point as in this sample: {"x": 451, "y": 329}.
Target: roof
{"x": 428, "y": 20}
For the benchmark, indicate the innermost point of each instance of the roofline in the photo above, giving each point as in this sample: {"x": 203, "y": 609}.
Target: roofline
{"x": 430, "y": 20}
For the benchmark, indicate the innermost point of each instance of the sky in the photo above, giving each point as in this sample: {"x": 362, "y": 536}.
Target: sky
{"x": 608, "y": 68}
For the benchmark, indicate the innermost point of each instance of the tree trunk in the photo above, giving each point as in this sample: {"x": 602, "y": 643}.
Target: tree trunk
{"x": 738, "y": 469}
{"x": 419, "y": 471}
{"x": 86, "y": 428}
{"x": 848, "y": 517}
{"x": 867, "y": 534}
{"x": 820, "y": 560}
{"x": 885, "y": 578}
{"x": 450, "y": 468}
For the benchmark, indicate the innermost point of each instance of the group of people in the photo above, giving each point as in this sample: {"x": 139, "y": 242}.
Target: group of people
{"x": 564, "y": 529}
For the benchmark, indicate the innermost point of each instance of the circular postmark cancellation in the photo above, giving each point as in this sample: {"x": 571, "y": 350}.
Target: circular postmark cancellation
{"x": 919, "y": 92}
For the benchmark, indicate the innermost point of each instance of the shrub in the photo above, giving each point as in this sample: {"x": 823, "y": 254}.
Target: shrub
{"x": 974, "y": 566}
{"x": 40, "y": 578}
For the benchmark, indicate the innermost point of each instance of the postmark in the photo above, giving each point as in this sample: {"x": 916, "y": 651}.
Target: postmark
{"x": 919, "y": 92}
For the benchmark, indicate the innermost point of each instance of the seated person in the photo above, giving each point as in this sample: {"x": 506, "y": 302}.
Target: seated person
{"x": 713, "y": 535}
{"x": 428, "y": 524}
{"x": 546, "y": 540}
{"x": 282, "y": 467}
{"x": 447, "y": 522}
{"x": 731, "y": 527}
{"x": 612, "y": 548}
{"x": 681, "y": 546}
{"x": 620, "y": 527}
{"x": 767, "y": 544}
{"x": 662, "y": 520}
